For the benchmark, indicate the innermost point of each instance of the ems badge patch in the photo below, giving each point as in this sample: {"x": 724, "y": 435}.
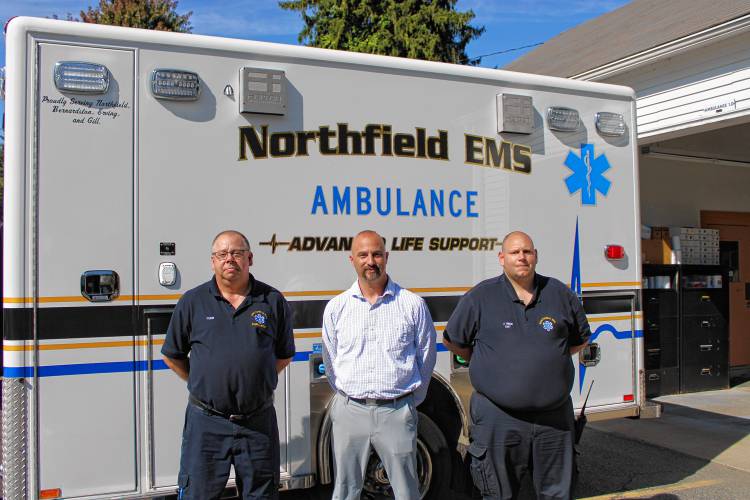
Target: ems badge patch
{"x": 547, "y": 323}
{"x": 260, "y": 319}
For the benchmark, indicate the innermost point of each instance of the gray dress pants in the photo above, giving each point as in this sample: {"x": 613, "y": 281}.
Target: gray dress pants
{"x": 391, "y": 429}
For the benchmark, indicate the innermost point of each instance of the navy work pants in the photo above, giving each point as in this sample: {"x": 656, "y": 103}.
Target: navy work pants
{"x": 507, "y": 444}
{"x": 211, "y": 443}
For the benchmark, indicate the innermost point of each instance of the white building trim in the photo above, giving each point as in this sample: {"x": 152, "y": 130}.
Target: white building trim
{"x": 690, "y": 42}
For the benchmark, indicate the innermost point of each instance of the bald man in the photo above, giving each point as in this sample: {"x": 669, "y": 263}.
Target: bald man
{"x": 520, "y": 330}
{"x": 379, "y": 353}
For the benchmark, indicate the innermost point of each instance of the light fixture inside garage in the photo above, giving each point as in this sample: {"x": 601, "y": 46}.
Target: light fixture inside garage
{"x": 667, "y": 155}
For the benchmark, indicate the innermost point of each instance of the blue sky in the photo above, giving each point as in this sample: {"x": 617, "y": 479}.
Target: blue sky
{"x": 509, "y": 24}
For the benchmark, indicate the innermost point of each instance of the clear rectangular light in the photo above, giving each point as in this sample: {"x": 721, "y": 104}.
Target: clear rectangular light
{"x": 610, "y": 124}
{"x": 81, "y": 77}
{"x": 563, "y": 119}
{"x": 175, "y": 84}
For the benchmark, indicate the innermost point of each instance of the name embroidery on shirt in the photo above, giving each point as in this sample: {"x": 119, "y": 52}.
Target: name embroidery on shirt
{"x": 507, "y": 324}
{"x": 209, "y": 318}
{"x": 547, "y": 323}
{"x": 260, "y": 319}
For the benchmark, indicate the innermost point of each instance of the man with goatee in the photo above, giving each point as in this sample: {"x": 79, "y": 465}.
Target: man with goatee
{"x": 379, "y": 353}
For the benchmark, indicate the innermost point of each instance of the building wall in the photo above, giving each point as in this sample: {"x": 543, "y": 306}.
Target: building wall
{"x": 673, "y": 192}
{"x": 701, "y": 88}
{"x": 696, "y": 104}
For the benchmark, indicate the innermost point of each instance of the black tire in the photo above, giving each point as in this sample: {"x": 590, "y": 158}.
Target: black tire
{"x": 432, "y": 437}
{"x": 433, "y": 465}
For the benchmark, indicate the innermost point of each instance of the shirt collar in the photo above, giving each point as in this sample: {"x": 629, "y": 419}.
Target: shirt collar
{"x": 512, "y": 291}
{"x": 255, "y": 291}
{"x": 391, "y": 288}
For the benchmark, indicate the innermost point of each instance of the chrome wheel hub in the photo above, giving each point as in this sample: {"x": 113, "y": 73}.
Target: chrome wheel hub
{"x": 377, "y": 484}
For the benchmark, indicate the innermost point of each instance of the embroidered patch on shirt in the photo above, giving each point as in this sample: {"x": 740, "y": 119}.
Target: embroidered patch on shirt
{"x": 260, "y": 319}
{"x": 508, "y": 324}
{"x": 209, "y": 318}
{"x": 547, "y": 323}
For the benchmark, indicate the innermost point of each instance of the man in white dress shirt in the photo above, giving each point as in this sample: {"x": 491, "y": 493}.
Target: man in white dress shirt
{"x": 379, "y": 352}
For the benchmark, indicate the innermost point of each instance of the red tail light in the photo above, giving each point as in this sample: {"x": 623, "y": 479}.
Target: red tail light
{"x": 614, "y": 252}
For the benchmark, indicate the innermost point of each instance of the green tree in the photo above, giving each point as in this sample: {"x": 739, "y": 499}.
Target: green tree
{"x": 421, "y": 29}
{"x": 148, "y": 14}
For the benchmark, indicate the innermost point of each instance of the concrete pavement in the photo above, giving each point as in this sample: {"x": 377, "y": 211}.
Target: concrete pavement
{"x": 713, "y": 426}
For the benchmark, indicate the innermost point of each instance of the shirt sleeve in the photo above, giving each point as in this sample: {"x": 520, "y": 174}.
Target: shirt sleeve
{"x": 285, "y": 339}
{"x": 581, "y": 330}
{"x": 463, "y": 324}
{"x": 329, "y": 343}
{"x": 177, "y": 342}
{"x": 424, "y": 339}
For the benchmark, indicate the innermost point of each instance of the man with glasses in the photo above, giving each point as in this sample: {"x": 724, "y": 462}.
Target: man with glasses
{"x": 238, "y": 333}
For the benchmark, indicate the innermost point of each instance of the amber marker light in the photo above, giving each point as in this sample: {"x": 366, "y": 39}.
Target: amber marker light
{"x": 50, "y": 493}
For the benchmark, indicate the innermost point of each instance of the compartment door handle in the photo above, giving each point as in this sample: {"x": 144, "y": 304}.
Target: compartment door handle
{"x": 100, "y": 285}
{"x": 590, "y": 355}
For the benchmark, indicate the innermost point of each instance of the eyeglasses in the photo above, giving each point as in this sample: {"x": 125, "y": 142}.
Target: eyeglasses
{"x": 236, "y": 254}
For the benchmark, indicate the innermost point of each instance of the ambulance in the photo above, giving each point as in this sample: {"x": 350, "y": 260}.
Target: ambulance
{"x": 127, "y": 150}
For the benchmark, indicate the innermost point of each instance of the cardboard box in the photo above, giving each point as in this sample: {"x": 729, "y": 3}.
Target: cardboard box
{"x": 656, "y": 252}
{"x": 660, "y": 233}
{"x": 684, "y": 231}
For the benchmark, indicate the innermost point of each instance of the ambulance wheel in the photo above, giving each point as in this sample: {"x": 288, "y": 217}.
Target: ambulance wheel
{"x": 433, "y": 466}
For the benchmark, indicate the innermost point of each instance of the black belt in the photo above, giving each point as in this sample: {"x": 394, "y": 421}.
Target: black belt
{"x": 375, "y": 401}
{"x": 233, "y": 417}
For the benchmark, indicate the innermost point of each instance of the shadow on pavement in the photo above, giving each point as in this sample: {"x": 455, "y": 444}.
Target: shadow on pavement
{"x": 611, "y": 464}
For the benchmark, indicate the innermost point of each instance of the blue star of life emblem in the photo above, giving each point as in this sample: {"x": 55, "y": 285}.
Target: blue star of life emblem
{"x": 588, "y": 174}
{"x": 260, "y": 318}
{"x": 547, "y": 325}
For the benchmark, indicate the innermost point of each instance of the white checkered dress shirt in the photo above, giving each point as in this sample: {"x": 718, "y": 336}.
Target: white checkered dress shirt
{"x": 382, "y": 350}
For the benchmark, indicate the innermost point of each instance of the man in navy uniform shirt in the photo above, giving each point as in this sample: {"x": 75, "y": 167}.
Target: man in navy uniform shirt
{"x": 238, "y": 332}
{"x": 519, "y": 330}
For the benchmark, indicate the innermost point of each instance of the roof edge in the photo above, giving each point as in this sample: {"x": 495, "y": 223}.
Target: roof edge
{"x": 710, "y": 35}
{"x": 19, "y": 27}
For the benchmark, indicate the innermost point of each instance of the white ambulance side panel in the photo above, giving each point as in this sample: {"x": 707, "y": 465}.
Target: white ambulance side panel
{"x": 119, "y": 177}
{"x": 191, "y": 176}
{"x": 167, "y": 400}
{"x": 180, "y": 193}
{"x": 87, "y": 370}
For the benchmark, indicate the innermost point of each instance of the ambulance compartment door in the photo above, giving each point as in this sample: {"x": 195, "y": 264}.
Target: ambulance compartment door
{"x": 83, "y": 184}
{"x": 166, "y": 400}
{"x": 609, "y": 360}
